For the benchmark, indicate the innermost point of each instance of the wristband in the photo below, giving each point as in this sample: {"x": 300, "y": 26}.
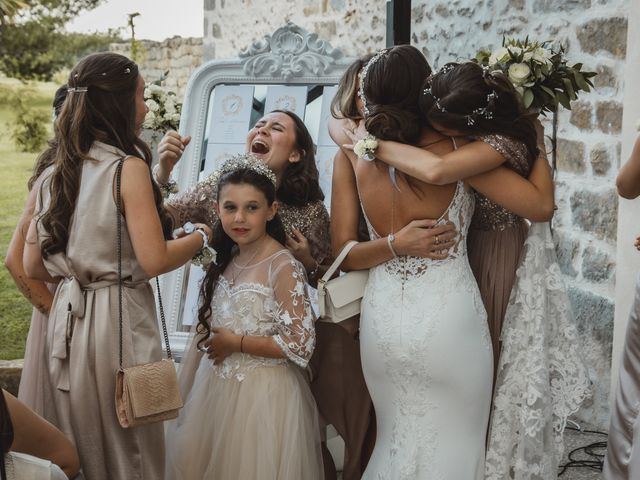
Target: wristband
{"x": 390, "y": 239}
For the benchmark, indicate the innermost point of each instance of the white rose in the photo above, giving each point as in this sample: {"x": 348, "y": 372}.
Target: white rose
{"x": 541, "y": 55}
{"x": 519, "y": 73}
{"x": 514, "y": 51}
{"x": 153, "y": 106}
{"x": 500, "y": 55}
{"x": 527, "y": 56}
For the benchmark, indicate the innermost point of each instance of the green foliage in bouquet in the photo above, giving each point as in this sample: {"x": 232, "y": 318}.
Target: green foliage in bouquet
{"x": 540, "y": 72}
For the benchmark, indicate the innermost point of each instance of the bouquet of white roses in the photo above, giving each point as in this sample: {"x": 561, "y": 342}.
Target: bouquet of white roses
{"x": 540, "y": 73}
{"x": 164, "y": 108}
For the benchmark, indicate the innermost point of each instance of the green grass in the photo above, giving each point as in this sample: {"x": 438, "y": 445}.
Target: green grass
{"x": 15, "y": 311}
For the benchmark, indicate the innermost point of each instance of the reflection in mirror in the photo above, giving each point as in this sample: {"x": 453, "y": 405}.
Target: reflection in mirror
{"x": 233, "y": 109}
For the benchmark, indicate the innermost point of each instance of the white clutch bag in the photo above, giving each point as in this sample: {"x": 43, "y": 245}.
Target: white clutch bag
{"x": 339, "y": 298}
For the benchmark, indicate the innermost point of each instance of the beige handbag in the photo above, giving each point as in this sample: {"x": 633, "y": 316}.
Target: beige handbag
{"x": 144, "y": 393}
{"x": 339, "y": 298}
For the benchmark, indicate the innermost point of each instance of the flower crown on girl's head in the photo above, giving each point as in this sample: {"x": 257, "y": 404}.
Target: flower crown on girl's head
{"x": 244, "y": 161}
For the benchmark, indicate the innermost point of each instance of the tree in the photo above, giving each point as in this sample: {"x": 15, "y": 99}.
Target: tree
{"x": 35, "y": 46}
{"x": 9, "y": 9}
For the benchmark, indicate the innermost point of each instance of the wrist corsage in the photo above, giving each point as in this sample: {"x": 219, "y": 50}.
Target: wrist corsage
{"x": 206, "y": 255}
{"x": 165, "y": 188}
{"x": 366, "y": 147}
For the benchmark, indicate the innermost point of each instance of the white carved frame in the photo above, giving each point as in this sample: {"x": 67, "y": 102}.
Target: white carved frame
{"x": 290, "y": 56}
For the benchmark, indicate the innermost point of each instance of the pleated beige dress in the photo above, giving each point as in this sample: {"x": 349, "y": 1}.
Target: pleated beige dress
{"x": 622, "y": 461}
{"x": 81, "y": 346}
{"x": 495, "y": 242}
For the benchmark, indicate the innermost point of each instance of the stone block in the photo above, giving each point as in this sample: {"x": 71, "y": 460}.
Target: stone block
{"x": 606, "y": 77}
{"x": 567, "y": 249}
{"x": 600, "y": 159}
{"x": 10, "y": 373}
{"x": 556, "y": 6}
{"x": 216, "y": 31}
{"x": 608, "y": 34}
{"x": 597, "y": 265}
{"x": 594, "y": 315}
{"x": 581, "y": 115}
{"x": 609, "y": 116}
{"x": 596, "y": 212}
{"x": 570, "y": 156}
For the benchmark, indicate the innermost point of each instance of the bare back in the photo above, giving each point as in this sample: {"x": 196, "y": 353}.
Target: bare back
{"x": 414, "y": 201}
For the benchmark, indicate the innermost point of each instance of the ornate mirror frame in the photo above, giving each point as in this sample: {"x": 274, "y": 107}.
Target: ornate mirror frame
{"x": 290, "y": 56}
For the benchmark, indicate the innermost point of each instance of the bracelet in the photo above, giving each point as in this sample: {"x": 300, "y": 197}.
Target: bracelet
{"x": 165, "y": 188}
{"x": 390, "y": 238}
{"x": 241, "y": 340}
{"x": 366, "y": 147}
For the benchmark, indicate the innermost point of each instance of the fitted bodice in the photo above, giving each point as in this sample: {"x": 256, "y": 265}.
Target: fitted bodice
{"x": 489, "y": 215}
{"x": 267, "y": 299}
{"x": 459, "y": 213}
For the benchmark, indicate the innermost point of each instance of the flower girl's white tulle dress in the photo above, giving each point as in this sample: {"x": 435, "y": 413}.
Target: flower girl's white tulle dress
{"x": 251, "y": 417}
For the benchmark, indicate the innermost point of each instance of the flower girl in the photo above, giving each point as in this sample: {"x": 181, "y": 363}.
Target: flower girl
{"x": 248, "y": 410}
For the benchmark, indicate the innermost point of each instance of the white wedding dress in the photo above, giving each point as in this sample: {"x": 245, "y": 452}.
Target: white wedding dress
{"x": 428, "y": 362}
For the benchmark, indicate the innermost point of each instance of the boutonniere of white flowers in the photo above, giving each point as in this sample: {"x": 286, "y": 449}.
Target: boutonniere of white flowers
{"x": 164, "y": 108}
{"x": 539, "y": 71}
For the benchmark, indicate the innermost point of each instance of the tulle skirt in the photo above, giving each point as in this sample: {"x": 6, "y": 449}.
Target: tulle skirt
{"x": 263, "y": 427}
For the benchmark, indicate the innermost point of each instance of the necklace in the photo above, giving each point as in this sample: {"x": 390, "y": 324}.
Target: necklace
{"x": 239, "y": 269}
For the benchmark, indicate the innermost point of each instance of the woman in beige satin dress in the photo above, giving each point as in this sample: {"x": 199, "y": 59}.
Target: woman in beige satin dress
{"x": 73, "y": 240}
{"x": 622, "y": 461}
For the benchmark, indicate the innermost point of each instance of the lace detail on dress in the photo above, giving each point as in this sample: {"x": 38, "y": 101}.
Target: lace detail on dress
{"x": 276, "y": 306}
{"x": 489, "y": 215}
{"x": 541, "y": 379}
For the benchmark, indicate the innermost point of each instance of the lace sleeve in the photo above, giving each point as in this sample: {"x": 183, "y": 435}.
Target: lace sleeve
{"x": 295, "y": 335}
{"x": 194, "y": 205}
{"x": 514, "y": 152}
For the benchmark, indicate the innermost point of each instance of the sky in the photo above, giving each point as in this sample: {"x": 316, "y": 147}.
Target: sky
{"x": 159, "y": 19}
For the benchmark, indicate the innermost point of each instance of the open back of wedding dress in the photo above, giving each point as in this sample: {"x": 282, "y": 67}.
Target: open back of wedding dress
{"x": 428, "y": 362}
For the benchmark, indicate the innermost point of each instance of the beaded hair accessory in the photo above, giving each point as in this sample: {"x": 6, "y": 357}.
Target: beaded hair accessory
{"x": 485, "y": 112}
{"x": 363, "y": 74}
{"x": 242, "y": 162}
{"x": 77, "y": 89}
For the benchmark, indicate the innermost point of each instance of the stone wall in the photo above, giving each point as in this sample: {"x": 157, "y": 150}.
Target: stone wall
{"x": 588, "y": 150}
{"x": 180, "y": 56}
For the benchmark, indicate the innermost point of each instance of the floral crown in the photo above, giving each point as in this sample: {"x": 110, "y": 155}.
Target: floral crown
{"x": 363, "y": 74}
{"x": 244, "y": 161}
{"x": 485, "y": 112}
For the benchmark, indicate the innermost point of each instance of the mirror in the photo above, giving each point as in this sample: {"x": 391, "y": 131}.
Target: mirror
{"x": 291, "y": 69}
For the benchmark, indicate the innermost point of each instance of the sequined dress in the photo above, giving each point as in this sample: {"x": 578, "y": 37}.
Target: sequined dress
{"x": 426, "y": 356}
{"x": 495, "y": 242}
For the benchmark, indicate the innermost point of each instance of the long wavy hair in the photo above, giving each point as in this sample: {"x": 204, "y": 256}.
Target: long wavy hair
{"x": 106, "y": 112}
{"x": 343, "y": 104}
{"x": 453, "y": 93}
{"x": 47, "y": 157}
{"x": 301, "y": 180}
{"x": 225, "y": 247}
